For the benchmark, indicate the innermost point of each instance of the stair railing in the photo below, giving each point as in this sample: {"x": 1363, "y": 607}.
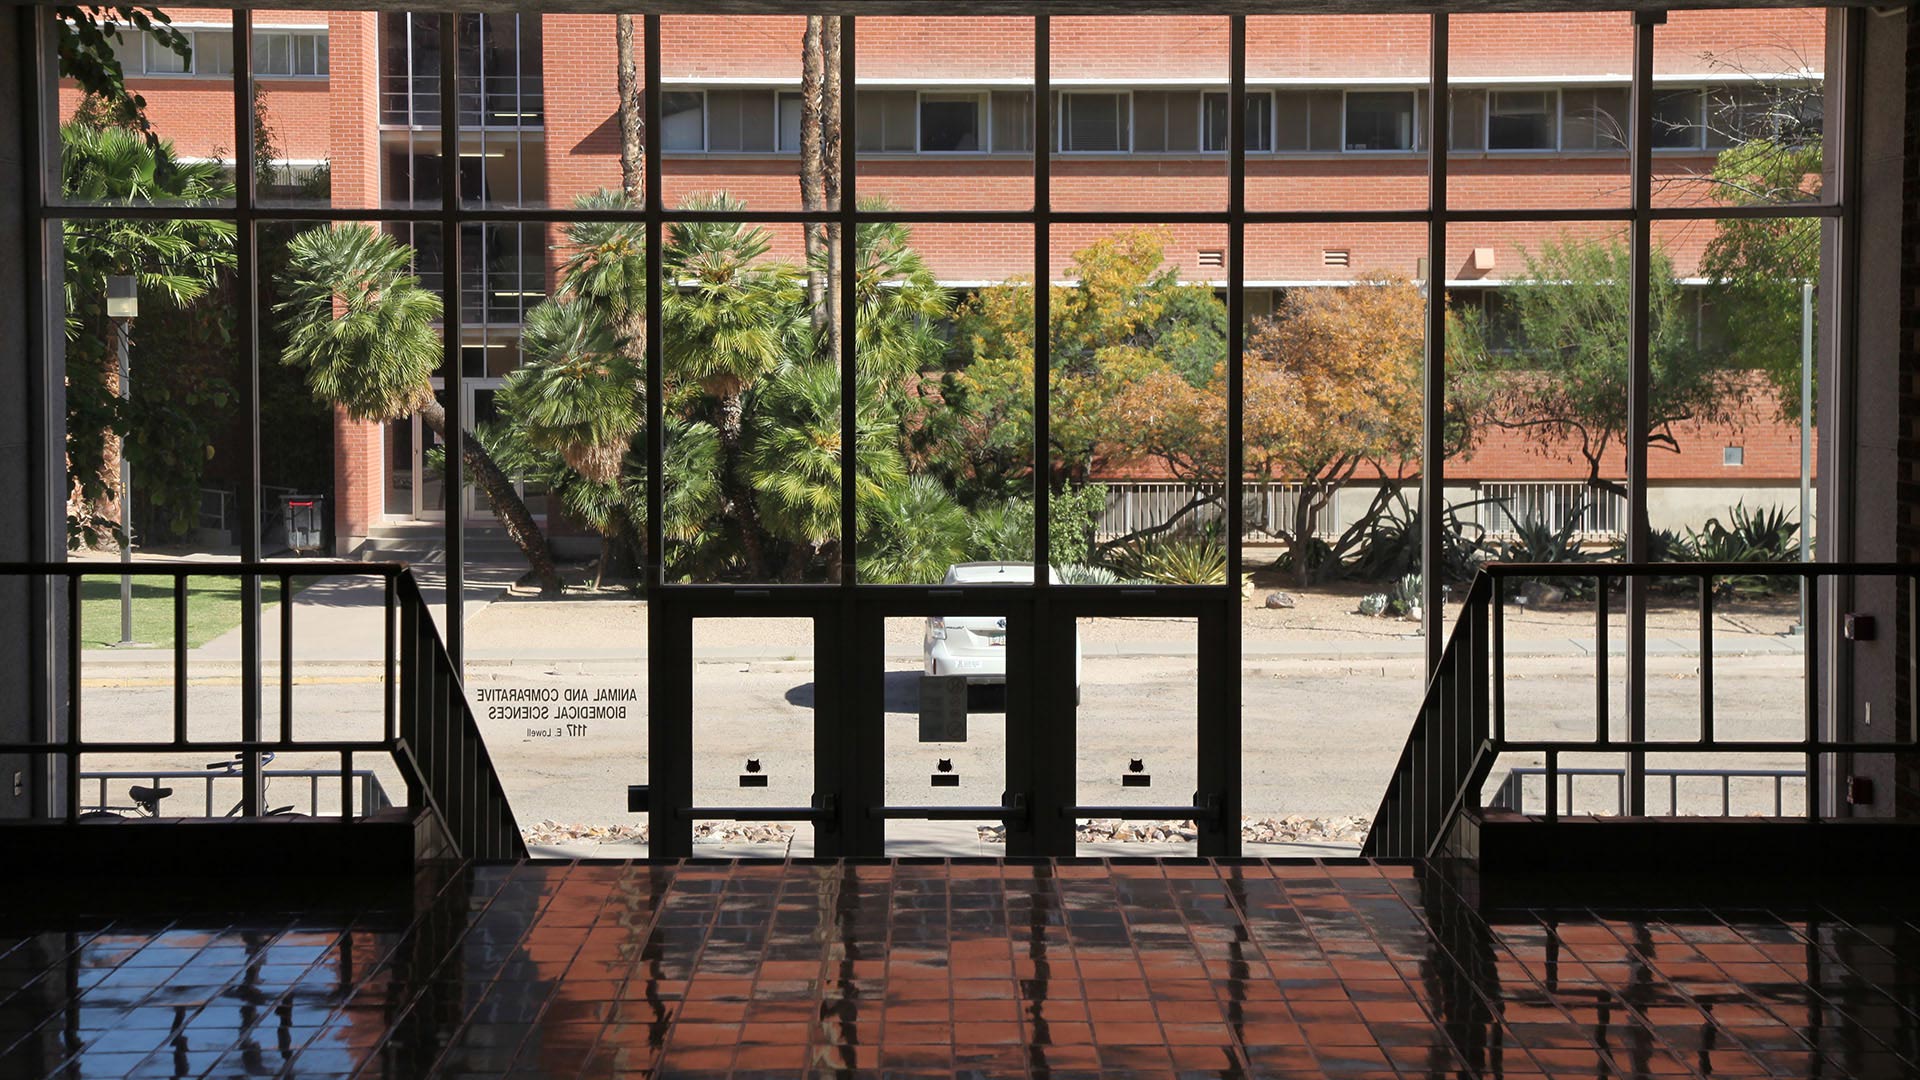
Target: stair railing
{"x": 427, "y": 728}
{"x": 1460, "y": 731}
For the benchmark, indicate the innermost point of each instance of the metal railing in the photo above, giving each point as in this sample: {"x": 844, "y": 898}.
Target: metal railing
{"x": 1134, "y": 505}
{"x": 426, "y": 726}
{"x": 1460, "y": 732}
{"x": 372, "y": 795}
{"x": 1594, "y": 514}
{"x": 1513, "y": 791}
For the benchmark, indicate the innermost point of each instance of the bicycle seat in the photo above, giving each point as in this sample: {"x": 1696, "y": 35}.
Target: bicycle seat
{"x": 149, "y": 796}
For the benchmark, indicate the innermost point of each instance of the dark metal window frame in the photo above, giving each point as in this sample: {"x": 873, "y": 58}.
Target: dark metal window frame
{"x": 850, "y": 606}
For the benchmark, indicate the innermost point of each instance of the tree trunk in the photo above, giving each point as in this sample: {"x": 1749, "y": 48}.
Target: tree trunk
{"x": 744, "y": 510}
{"x": 1303, "y": 536}
{"x": 632, "y": 131}
{"x": 513, "y": 515}
{"x": 830, "y": 131}
{"x": 813, "y": 190}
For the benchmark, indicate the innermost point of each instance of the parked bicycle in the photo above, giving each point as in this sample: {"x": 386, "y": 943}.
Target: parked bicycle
{"x": 146, "y": 800}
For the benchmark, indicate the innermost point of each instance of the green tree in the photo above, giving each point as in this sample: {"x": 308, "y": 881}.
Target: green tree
{"x": 1759, "y": 266}
{"x": 735, "y": 318}
{"x": 175, "y": 263}
{"x": 794, "y": 461}
{"x": 363, "y": 331}
{"x": 1565, "y": 384}
{"x": 87, "y": 37}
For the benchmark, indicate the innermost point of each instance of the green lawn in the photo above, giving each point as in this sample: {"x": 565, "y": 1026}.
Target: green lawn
{"x": 213, "y": 608}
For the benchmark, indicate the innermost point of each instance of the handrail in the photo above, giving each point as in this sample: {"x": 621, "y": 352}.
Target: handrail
{"x": 428, "y": 728}
{"x": 1459, "y": 732}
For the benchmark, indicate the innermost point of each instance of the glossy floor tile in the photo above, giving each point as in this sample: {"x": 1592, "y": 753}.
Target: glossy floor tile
{"x": 955, "y": 968}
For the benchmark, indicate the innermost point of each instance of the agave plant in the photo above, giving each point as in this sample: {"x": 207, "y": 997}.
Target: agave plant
{"x": 1183, "y": 560}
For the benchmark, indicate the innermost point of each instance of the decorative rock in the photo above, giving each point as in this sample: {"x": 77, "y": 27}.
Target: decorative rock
{"x": 1280, "y": 600}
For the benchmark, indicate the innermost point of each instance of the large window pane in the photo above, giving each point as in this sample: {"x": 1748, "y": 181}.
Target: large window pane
{"x": 1327, "y": 146}
{"x": 752, "y": 398}
{"x": 1740, "y": 119}
{"x": 184, "y": 76}
{"x": 750, "y": 74}
{"x": 1559, "y": 137}
{"x": 1332, "y": 418}
{"x": 1120, "y": 97}
{"x": 1138, "y": 405}
{"x": 945, "y": 472}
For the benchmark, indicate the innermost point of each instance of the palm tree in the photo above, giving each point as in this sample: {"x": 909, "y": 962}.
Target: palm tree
{"x": 363, "y": 330}
{"x": 606, "y": 266}
{"x": 577, "y": 393}
{"x": 897, "y": 301}
{"x": 732, "y": 318}
{"x": 794, "y": 463}
{"x": 914, "y": 532}
{"x": 177, "y": 260}
{"x": 579, "y": 397}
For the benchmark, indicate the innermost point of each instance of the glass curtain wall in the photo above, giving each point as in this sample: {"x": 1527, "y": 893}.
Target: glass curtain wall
{"x": 470, "y": 185}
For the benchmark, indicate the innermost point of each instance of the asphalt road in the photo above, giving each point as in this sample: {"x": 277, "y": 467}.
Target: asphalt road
{"x": 1321, "y": 737}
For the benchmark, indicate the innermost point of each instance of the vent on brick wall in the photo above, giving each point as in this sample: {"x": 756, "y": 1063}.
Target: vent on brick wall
{"x": 1335, "y": 257}
{"x": 1212, "y": 257}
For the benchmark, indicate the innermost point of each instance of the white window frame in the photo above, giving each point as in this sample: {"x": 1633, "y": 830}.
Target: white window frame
{"x": 983, "y": 103}
{"x": 1060, "y": 122}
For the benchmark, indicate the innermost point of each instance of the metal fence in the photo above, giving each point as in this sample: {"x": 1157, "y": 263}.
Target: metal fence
{"x": 1596, "y": 514}
{"x": 1136, "y": 505}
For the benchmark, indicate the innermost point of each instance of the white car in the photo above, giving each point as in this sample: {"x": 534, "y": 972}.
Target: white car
{"x": 976, "y": 645}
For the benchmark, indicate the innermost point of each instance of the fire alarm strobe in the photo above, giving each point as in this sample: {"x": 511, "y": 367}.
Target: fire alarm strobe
{"x": 946, "y": 777}
{"x": 753, "y": 777}
{"x": 1136, "y": 775}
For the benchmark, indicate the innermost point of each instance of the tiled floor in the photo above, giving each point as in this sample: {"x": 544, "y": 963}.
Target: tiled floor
{"x": 925, "y": 969}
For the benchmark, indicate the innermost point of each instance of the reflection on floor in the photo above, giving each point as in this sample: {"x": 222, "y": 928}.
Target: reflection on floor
{"x": 952, "y": 968}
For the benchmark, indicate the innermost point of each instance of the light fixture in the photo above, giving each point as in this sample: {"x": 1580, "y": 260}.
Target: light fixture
{"x": 123, "y": 296}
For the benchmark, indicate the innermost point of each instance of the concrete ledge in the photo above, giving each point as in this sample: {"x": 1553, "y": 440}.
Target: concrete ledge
{"x": 1506, "y": 843}
{"x": 388, "y": 845}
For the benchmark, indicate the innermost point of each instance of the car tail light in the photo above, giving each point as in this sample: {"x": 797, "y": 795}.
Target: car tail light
{"x": 937, "y": 628}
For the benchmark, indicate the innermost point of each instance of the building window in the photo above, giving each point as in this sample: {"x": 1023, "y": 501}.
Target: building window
{"x": 789, "y": 122}
{"x": 1676, "y": 119}
{"x": 1734, "y": 455}
{"x": 1594, "y": 119}
{"x": 289, "y": 54}
{"x": 1308, "y": 121}
{"x": 1166, "y": 122}
{"x": 950, "y": 123}
{"x": 888, "y": 122}
{"x": 1380, "y": 120}
{"x": 160, "y": 60}
{"x": 683, "y": 121}
{"x": 1522, "y": 120}
{"x": 1012, "y": 121}
{"x": 740, "y": 121}
{"x": 1259, "y": 122}
{"x": 1094, "y": 123}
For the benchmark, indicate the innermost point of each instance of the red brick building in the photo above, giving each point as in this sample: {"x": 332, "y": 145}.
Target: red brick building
{"x": 1335, "y": 122}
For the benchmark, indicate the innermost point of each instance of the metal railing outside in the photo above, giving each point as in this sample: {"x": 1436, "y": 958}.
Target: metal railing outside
{"x": 1460, "y": 731}
{"x": 372, "y": 796}
{"x": 1134, "y": 505}
{"x": 1514, "y": 791}
{"x": 426, "y": 726}
{"x": 1595, "y": 515}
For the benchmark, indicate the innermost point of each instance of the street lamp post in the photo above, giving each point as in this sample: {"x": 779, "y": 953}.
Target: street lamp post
{"x": 123, "y": 305}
